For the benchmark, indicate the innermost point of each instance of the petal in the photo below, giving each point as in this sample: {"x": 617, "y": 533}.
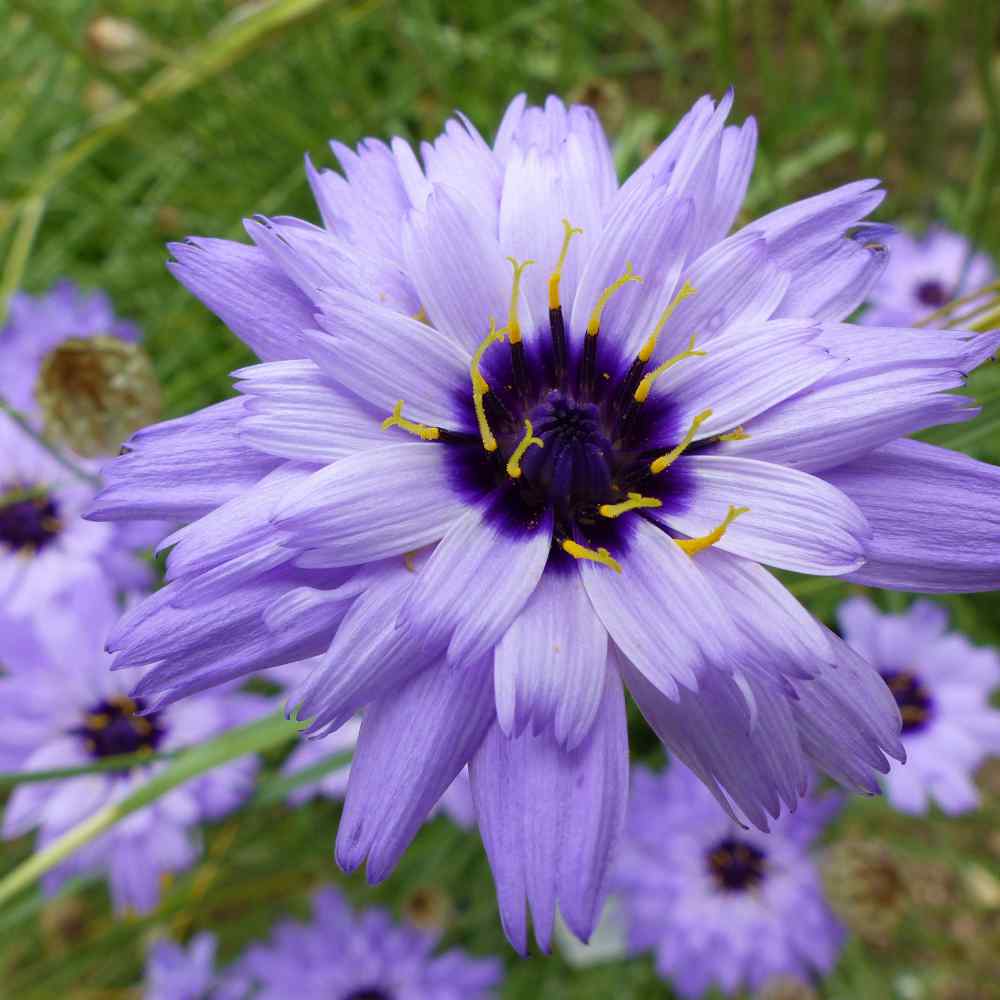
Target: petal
{"x": 743, "y": 373}
{"x": 661, "y": 611}
{"x": 384, "y": 357}
{"x": 750, "y": 758}
{"x": 294, "y": 411}
{"x": 181, "y": 469}
{"x": 551, "y": 818}
{"x": 549, "y": 666}
{"x": 934, "y": 514}
{"x": 375, "y": 504}
{"x": 457, "y": 267}
{"x": 476, "y": 582}
{"x": 248, "y": 292}
{"x": 736, "y": 159}
{"x": 795, "y": 521}
{"x": 413, "y": 743}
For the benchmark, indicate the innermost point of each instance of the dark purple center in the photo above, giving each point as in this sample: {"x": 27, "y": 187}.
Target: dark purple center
{"x": 914, "y": 700}
{"x": 736, "y": 865}
{"x": 598, "y": 442}
{"x": 368, "y": 993}
{"x": 29, "y": 519}
{"x": 114, "y": 726}
{"x": 932, "y": 293}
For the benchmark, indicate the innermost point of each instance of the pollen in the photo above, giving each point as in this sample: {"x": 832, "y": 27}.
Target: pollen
{"x": 514, "y": 462}
{"x": 661, "y": 463}
{"x": 594, "y": 323}
{"x": 513, "y": 326}
{"x": 642, "y": 392}
{"x": 601, "y": 555}
{"x": 635, "y": 501}
{"x": 480, "y": 386}
{"x": 692, "y": 546}
{"x": 422, "y": 431}
{"x": 686, "y": 291}
{"x": 556, "y": 276}
{"x": 737, "y": 435}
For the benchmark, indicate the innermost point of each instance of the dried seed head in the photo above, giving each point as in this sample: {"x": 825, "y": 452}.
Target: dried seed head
{"x": 867, "y": 887}
{"x": 94, "y": 392}
{"x": 119, "y": 43}
{"x": 787, "y": 988}
{"x": 429, "y": 908}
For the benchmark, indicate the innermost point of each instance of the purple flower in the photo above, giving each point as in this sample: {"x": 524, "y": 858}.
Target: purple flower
{"x": 719, "y": 904}
{"x": 60, "y": 706}
{"x": 341, "y": 956}
{"x": 46, "y": 549}
{"x": 486, "y": 494}
{"x": 175, "y": 973}
{"x": 38, "y": 324}
{"x": 942, "y": 685}
{"x": 924, "y": 274}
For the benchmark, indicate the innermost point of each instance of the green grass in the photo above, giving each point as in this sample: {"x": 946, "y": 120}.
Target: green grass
{"x": 220, "y": 119}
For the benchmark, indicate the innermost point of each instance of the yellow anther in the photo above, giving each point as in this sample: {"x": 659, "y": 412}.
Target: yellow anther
{"x": 422, "y": 431}
{"x": 737, "y": 435}
{"x": 634, "y": 502}
{"x": 409, "y": 561}
{"x": 480, "y": 386}
{"x": 642, "y": 391}
{"x": 556, "y": 276}
{"x": 692, "y": 546}
{"x": 97, "y": 721}
{"x": 601, "y": 556}
{"x": 513, "y": 326}
{"x": 594, "y": 323}
{"x": 687, "y": 290}
{"x": 514, "y": 462}
{"x": 659, "y": 464}
{"x": 420, "y": 315}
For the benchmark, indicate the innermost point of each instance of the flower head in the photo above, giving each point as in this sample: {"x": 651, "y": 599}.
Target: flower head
{"x": 925, "y": 273}
{"x": 343, "y": 956}
{"x": 520, "y": 435}
{"x": 46, "y": 549}
{"x": 61, "y": 707}
{"x": 717, "y": 903}
{"x": 176, "y": 973}
{"x": 942, "y": 685}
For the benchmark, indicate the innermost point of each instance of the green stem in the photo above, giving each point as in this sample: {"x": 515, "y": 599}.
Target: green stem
{"x": 270, "y": 731}
{"x": 64, "y": 460}
{"x": 20, "y": 248}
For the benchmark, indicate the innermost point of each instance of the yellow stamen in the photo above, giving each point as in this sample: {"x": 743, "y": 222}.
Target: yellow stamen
{"x": 421, "y": 315}
{"x": 97, "y": 721}
{"x": 594, "y": 323}
{"x": 601, "y": 556}
{"x": 659, "y": 464}
{"x": 737, "y": 435}
{"x": 642, "y": 391}
{"x": 692, "y": 546}
{"x": 634, "y": 502}
{"x": 554, "y": 278}
{"x": 408, "y": 561}
{"x": 514, "y": 462}
{"x": 422, "y": 431}
{"x": 687, "y": 290}
{"x": 513, "y": 326}
{"x": 480, "y": 386}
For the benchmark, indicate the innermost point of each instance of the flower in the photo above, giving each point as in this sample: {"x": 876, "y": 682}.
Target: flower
{"x": 61, "y": 707}
{"x": 488, "y": 492}
{"x": 75, "y": 370}
{"x": 717, "y": 903}
{"x": 340, "y": 956}
{"x": 923, "y": 275}
{"x": 942, "y": 685}
{"x": 46, "y": 549}
{"x": 173, "y": 973}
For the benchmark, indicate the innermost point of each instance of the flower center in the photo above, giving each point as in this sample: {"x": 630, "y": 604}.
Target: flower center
{"x": 736, "y": 865}
{"x": 29, "y": 519}
{"x": 914, "y": 700}
{"x": 368, "y": 993}
{"x": 114, "y": 726}
{"x": 567, "y": 425}
{"x": 932, "y": 293}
